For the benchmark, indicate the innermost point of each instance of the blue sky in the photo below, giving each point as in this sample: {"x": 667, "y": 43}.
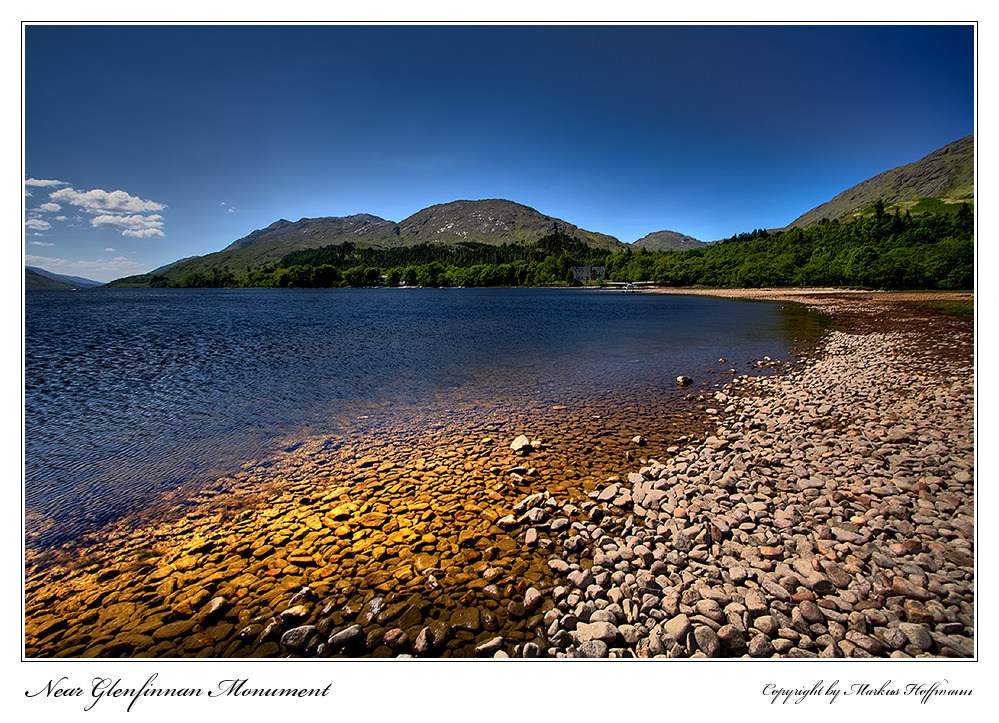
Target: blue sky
{"x": 145, "y": 144}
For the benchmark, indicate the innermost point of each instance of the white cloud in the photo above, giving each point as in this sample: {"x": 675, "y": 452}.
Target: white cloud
{"x": 43, "y": 260}
{"x": 143, "y": 233}
{"x": 117, "y": 210}
{"x": 231, "y": 210}
{"x": 36, "y": 224}
{"x": 118, "y": 264}
{"x": 40, "y": 243}
{"x": 136, "y": 225}
{"x": 99, "y": 200}
{"x": 109, "y": 249}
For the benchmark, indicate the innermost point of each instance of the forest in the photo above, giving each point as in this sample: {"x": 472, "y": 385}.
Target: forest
{"x": 879, "y": 250}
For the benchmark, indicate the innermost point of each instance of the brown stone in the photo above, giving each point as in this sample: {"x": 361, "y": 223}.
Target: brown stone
{"x": 902, "y": 586}
{"x": 372, "y": 519}
{"x": 466, "y": 619}
{"x": 916, "y": 612}
{"x": 174, "y": 629}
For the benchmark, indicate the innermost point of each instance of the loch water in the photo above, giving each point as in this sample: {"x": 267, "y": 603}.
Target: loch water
{"x": 129, "y": 393}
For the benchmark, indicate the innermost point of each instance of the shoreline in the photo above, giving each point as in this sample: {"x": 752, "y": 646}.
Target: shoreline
{"x": 528, "y": 590}
{"x": 791, "y": 532}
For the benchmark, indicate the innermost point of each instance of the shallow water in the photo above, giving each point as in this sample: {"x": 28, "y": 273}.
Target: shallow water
{"x": 131, "y": 393}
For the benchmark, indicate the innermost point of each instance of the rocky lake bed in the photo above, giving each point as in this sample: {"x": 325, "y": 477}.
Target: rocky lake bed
{"x": 822, "y": 507}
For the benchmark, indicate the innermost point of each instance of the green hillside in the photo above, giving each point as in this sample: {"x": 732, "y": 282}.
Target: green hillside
{"x": 883, "y": 251}
{"x": 34, "y": 281}
{"x": 943, "y": 178}
{"x": 490, "y": 222}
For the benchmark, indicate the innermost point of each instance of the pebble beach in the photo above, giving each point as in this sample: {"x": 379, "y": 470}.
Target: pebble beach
{"x": 826, "y": 509}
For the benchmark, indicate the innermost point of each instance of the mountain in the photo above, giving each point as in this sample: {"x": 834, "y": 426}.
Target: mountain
{"x": 34, "y": 281}
{"x": 668, "y": 241}
{"x": 945, "y": 176}
{"x": 489, "y": 221}
{"x": 70, "y": 280}
{"x": 492, "y": 221}
{"x": 283, "y": 236}
{"x": 167, "y": 267}
{"x": 62, "y": 281}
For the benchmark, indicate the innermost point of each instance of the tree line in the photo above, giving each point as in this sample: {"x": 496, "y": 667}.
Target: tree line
{"x": 880, "y": 250}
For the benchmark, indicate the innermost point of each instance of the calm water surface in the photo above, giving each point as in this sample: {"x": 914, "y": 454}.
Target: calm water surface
{"x": 130, "y": 392}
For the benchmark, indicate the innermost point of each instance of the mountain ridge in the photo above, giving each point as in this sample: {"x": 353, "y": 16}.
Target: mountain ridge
{"x": 946, "y": 174}
{"x": 62, "y": 279}
{"x": 668, "y": 241}
{"x": 487, "y": 221}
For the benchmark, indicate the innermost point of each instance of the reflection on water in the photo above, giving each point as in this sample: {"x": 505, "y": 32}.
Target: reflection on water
{"x": 132, "y": 392}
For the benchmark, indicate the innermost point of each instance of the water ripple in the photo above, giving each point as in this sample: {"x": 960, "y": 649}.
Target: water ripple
{"x": 132, "y": 392}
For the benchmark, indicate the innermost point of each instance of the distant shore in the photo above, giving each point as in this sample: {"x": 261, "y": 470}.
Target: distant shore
{"x": 817, "y": 294}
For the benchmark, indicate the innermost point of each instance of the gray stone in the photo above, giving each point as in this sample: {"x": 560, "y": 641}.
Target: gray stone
{"x": 677, "y": 627}
{"x": 582, "y": 579}
{"x": 600, "y": 630}
{"x": 532, "y": 599}
{"x": 756, "y": 604}
{"x": 775, "y": 589}
{"x": 560, "y": 567}
{"x": 960, "y": 645}
{"x": 603, "y": 616}
{"x": 681, "y": 542}
{"x": 424, "y": 642}
{"x": 866, "y": 642}
{"x": 893, "y": 638}
{"x": 766, "y": 625}
{"x": 300, "y": 639}
{"x": 488, "y": 648}
{"x": 629, "y": 633}
{"x": 593, "y": 649}
{"x": 917, "y": 635}
{"x": 732, "y": 638}
{"x": 761, "y": 647}
{"x": 345, "y": 637}
{"x": 818, "y": 583}
{"x": 707, "y": 641}
{"x": 710, "y": 609}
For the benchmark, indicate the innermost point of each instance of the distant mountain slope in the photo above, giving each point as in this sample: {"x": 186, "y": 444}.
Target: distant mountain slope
{"x": 947, "y": 174}
{"x": 167, "y": 267}
{"x": 77, "y": 281}
{"x": 668, "y": 241}
{"x": 490, "y": 221}
{"x": 34, "y": 281}
{"x": 307, "y": 232}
